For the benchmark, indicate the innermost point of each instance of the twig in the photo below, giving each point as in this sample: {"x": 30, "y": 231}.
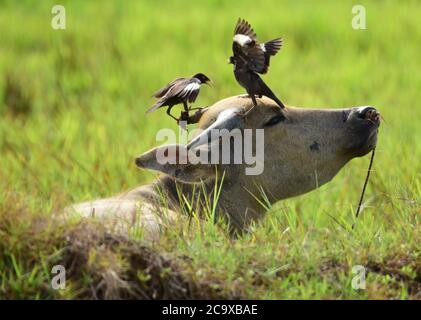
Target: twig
{"x": 365, "y": 186}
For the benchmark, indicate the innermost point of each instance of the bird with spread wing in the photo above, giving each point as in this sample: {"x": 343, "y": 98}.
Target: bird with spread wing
{"x": 251, "y": 58}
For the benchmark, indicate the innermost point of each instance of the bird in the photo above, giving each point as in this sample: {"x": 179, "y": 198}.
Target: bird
{"x": 180, "y": 90}
{"x": 257, "y": 54}
{"x": 250, "y": 58}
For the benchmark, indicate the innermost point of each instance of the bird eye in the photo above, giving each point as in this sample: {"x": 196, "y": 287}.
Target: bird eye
{"x": 274, "y": 120}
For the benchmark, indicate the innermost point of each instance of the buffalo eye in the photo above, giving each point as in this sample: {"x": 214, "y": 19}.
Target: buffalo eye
{"x": 274, "y": 120}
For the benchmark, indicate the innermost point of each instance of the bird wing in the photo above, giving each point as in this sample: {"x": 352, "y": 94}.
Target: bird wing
{"x": 191, "y": 90}
{"x": 244, "y": 28}
{"x": 161, "y": 92}
{"x": 269, "y": 48}
{"x": 273, "y": 46}
{"x": 253, "y": 57}
{"x": 245, "y": 47}
{"x": 185, "y": 89}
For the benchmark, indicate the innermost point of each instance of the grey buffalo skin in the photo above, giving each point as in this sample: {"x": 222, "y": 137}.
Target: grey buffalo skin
{"x": 302, "y": 151}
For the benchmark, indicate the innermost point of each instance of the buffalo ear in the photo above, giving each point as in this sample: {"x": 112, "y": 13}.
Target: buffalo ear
{"x": 192, "y": 163}
{"x": 178, "y": 162}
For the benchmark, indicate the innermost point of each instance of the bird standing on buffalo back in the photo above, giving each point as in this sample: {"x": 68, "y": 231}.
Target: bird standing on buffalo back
{"x": 250, "y": 58}
{"x": 181, "y": 90}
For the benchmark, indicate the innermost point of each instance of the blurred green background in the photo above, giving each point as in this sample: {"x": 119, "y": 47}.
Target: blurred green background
{"x": 73, "y": 101}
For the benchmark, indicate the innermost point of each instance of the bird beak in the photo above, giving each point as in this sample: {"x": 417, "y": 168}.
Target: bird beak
{"x": 210, "y": 83}
{"x": 228, "y": 61}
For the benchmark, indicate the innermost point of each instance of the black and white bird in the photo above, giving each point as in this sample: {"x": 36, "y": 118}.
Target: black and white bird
{"x": 250, "y": 58}
{"x": 181, "y": 90}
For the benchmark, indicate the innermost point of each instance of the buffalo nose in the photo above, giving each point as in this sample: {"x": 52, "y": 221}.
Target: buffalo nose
{"x": 369, "y": 113}
{"x": 138, "y": 162}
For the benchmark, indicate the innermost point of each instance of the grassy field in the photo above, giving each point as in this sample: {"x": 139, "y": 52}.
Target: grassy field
{"x": 72, "y": 120}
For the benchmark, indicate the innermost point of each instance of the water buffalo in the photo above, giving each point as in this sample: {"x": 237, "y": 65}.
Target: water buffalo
{"x": 302, "y": 149}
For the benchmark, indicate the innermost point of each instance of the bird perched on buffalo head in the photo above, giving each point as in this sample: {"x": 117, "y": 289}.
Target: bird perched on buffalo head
{"x": 181, "y": 90}
{"x": 250, "y": 58}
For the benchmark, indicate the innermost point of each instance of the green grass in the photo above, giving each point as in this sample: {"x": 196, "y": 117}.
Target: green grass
{"x": 72, "y": 120}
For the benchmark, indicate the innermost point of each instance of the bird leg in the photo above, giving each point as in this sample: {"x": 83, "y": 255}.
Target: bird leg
{"x": 169, "y": 113}
{"x": 253, "y": 98}
{"x": 186, "y": 107}
{"x": 184, "y": 116}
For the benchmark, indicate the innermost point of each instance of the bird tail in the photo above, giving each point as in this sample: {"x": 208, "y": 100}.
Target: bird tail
{"x": 278, "y": 102}
{"x": 158, "y": 104}
{"x": 273, "y": 46}
{"x": 269, "y": 93}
